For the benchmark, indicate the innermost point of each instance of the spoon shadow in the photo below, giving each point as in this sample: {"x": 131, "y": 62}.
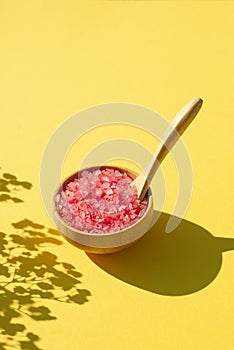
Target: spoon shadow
{"x": 180, "y": 263}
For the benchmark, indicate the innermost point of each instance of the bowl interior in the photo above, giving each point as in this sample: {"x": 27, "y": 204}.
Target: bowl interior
{"x": 104, "y": 242}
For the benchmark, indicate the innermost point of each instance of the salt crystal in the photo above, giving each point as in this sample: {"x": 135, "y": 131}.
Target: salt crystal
{"x": 100, "y": 201}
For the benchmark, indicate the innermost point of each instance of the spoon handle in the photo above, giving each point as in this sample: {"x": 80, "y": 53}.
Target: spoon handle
{"x": 176, "y": 128}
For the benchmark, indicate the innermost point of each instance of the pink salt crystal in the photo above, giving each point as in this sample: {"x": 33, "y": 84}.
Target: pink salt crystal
{"x": 100, "y": 201}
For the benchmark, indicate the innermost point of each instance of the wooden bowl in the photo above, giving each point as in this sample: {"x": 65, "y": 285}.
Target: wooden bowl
{"x": 105, "y": 243}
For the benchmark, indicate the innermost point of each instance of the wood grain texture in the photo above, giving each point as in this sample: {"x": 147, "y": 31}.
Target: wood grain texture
{"x": 176, "y": 128}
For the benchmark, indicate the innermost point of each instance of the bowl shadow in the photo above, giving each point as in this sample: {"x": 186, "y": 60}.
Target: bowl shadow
{"x": 180, "y": 263}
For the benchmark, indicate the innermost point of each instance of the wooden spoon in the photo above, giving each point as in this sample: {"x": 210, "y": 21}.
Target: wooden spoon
{"x": 176, "y": 128}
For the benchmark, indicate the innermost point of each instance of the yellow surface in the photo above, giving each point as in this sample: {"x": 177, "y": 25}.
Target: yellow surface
{"x": 58, "y": 57}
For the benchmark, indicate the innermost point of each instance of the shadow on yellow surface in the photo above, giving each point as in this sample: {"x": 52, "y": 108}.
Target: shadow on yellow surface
{"x": 179, "y": 263}
{"x": 31, "y": 275}
{"x": 8, "y": 184}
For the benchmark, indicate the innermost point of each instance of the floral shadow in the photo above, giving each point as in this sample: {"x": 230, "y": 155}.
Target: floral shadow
{"x": 30, "y": 275}
{"x": 9, "y": 186}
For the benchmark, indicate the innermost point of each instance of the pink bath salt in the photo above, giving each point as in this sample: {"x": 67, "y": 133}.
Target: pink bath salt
{"x": 100, "y": 201}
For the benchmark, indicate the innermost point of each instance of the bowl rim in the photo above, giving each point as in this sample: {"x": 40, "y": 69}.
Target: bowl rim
{"x": 130, "y": 172}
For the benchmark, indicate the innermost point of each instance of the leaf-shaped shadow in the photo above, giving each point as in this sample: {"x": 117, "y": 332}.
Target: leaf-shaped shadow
{"x": 9, "y": 184}
{"x": 30, "y": 343}
{"x": 28, "y": 274}
{"x": 40, "y": 313}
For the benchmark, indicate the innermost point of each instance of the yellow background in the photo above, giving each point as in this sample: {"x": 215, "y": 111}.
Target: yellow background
{"x": 58, "y": 57}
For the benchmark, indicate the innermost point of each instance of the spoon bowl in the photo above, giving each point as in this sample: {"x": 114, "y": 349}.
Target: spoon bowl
{"x": 105, "y": 243}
